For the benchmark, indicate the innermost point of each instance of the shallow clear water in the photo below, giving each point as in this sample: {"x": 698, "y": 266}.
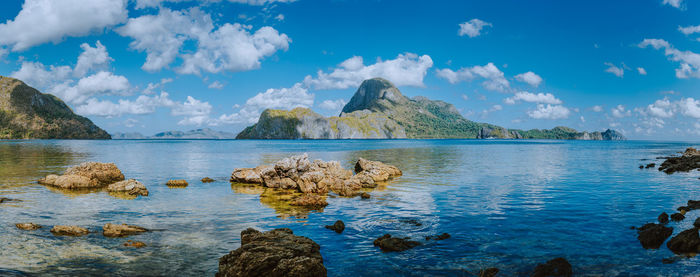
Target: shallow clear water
{"x": 507, "y": 204}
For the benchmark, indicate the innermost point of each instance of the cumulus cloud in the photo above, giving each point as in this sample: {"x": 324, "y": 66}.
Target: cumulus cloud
{"x": 406, "y": 70}
{"x": 42, "y": 21}
{"x": 472, "y": 28}
{"x": 216, "y": 85}
{"x": 37, "y": 75}
{"x": 678, "y": 4}
{"x": 689, "y": 61}
{"x": 549, "y": 112}
{"x": 333, "y": 105}
{"x": 615, "y": 70}
{"x": 544, "y": 98}
{"x": 689, "y": 30}
{"x": 101, "y": 83}
{"x": 641, "y": 71}
{"x": 530, "y": 78}
{"x": 142, "y": 105}
{"x": 494, "y": 77}
{"x": 690, "y": 107}
{"x": 597, "y": 108}
{"x": 90, "y": 58}
{"x": 282, "y": 98}
{"x": 230, "y": 47}
{"x": 660, "y": 108}
{"x": 142, "y": 4}
{"x": 620, "y": 111}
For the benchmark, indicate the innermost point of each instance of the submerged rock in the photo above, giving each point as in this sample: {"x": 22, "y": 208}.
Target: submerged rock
{"x": 663, "y": 218}
{"x": 693, "y": 205}
{"x": 134, "y": 244}
{"x": 273, "y": 253}
{"x": 555, "y": 267}
{"x": 489, "y": 272}
{"x": 651, "y": 165}
{"x": 309, "y": 200}
{"x": 131, "y": 187}
{"x": 121, "y": 230}
{"x": 85, "y": 175}
{"x": 652, "y": 235}
{"x": 690, "y": 160}
{"x": 338, "y": 226}
{"x": 61, "y": 230}
{"x": 177, "y": 183}
{"x": 28, "y": 226}
{"x": 4, "y": 199}
{"x": 442, "y": 236}
{"x": 207, "y": 180}
{"x": 392, "y": 244}
{"x": 677, "y": 217}
{"x": 685, "y": 242}
{"x": 365, "y": 195}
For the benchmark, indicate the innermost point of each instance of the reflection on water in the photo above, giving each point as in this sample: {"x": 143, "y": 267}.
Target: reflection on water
{"x": 507, "y": 204}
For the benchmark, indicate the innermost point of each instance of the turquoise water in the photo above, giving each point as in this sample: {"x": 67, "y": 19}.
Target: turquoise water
{"x": 507, "y": 204}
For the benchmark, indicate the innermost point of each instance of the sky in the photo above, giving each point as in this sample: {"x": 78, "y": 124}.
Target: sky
{"x": 154, "y": 65}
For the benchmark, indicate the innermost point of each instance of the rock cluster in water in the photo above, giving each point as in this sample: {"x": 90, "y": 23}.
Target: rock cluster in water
{"x": 95, "y": 175}
{"x": 273, "y": 253}
{"x": 653, "y": 235}
{"x": 393, "y": 244}
{"x": 690, "y": 160}
{"x": 558, "y": 267}
{"x": 121, "y": 230}
{"x": 317, "y": 177}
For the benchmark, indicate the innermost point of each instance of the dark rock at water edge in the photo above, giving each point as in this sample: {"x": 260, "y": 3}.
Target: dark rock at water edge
{"x": 690, "y": 160}
{"x": 555, "y": 267}
{"x": 663, "y": 218}
{"x": 652, "y": 235}
{"x": 685, "y": 242}
{"x": 696, "y": 224}
{"x": 273, "y": 253}
{"x": 365, "y": 195}
{"x": 489, "y": 272}
{"x": 677, "y": 217}
{"x": 442, "y": 236}
{"x": 4, "y": 199}
{"x": 651, "y": 165}
{"x": 338, "y": 226}
{"x": 392, "y": 244}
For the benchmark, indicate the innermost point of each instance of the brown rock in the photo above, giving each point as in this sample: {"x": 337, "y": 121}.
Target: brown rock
{"x": 28, "y": 226}
{"x": 121, "y": 230}
{"x": 365, "y": 195}
{"x": 207, "y": 180}
{"x": 131, "y": 187}
{"x": 274, "y": 253}
{"x": 49, "y": 180}
{"x": 391, "y": 244}
{"x": 135, "y": 244}
{"x": 61, "y": 230}
{"x": 309, "y": 200}
{"x": 103, "y": 173}
{"x": 556, "y": 267}
{"x": 489, "y": 272}
{"x": 177, "y": 183}
{"x": 379, "y": 171}
{"x": 75, "y": 182}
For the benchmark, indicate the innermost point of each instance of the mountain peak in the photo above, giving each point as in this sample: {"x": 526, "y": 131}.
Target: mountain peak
{"x": 374, "y": 94}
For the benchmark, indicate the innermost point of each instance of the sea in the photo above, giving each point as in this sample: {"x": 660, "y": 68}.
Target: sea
{"x": 509, "y": 204}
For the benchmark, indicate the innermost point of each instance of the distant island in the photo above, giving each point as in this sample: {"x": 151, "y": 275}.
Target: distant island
{"x": 378, "y": 110}
{"x": 204, "y": 133}
{"x": 26, "y": 113}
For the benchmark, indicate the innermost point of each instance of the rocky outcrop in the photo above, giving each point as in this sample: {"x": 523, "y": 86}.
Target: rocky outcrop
{"x": 273, "y": 253}
{"x": 488, "y": 132}
{"x": 26, "y": 113}
{"x": 663, "y": 218}
{"x": 685, "y": 242}
{"x": 393, "y": 244}
{"x": 75, "y": 231}
{"x": 178, "y": 183}
{"x": 317, "y": 177}
{"x": 207, "y": 180}
{"x": 338, "y": 226}
{"x": 121, "y": 230}
{"x": 130, "y": 187}
{"x": 690, "y": 160}
{"x": 85, "y": 175}
{"x": 558, "y": 267}
{"x": 652, "y": 235}
{"x": 28, "y": 226}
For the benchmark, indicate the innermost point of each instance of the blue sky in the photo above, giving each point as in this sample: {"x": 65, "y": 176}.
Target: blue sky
{"x": 154, "y": 65}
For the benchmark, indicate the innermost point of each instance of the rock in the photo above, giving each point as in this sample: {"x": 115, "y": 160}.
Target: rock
{"x": 338, "y": 226}
{"x": 663, "y": 218}
{"x": 696, "y": 224}
{"x": 413, "y": 222}
{"x": 130, "y": 186}
{"x": 442, "y": 236}
{"x": 489, "y": 272}
{"x": 75, "y": 182}
{"x": 651, "y": 165}
{"x": 49, "y": 180}
{"x": 4, "y": 199}
{"x": 693, "y": 205}
{"x": 378, "y": 171}
{"x": 177, "y": 183}
{"x": 121, "y": 230}
{"x": 677, "y": 217}
{"x": 365, "y": 195}
{"x": 391, "y": 244}
{"x": 61, "y": 230}
{"x": 556, "y": 267}
{"x": 689, "y": 161}
{"x": 134, "y": 244}
{"x": 28, "y": 226}
{"x": 273, "y": 253}
{"x": 685, "y": 242}
{"x": 102, "y": 173}
{"x": 207, "y": 180}
{"x": 309, "y": 200}
{"x": 683, "y": 209}
{"x": 250, "y": 175}
{"x": 652, "y": 235}
{"x": 641, "y": 167}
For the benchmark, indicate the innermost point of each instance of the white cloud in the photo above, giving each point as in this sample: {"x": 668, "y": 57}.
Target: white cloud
{"x": 150, "y": 89}
{"x": 641, "y": 71}
{"x": 279, "y": 17}
{"x": 465, "y": 97}
{"x": 597, "y": 108}
{"x": 283, "y": 98}
{"x": 230, "y": 47}
{"x": 333, "y": 105}
{"x": 583, "y": 119}
{"x": 196, "y": 112}
{"x": 472, "y": 28}
{"x": 620, "y": 111}
{"x": 36, "y": 75}
{"x": 690, "y": 107}
{"x": 495, "y": 79}
{"x": 689, "y": 30}
{"x": 41, "y": 21}
{"x": 530, "y": 78}
{"x": 544, "y": 98}
{"x": 674, "y": 3}
{"x": 130, "y": 123}
{"x": 142, "y": 105}
{"x": 3, "y": 53}
{"x": 101, "y": 83}
{"x": 406, "y": 70}
{"x": 90, "y": 58}
{"x": 689, "y": 61}
{"x": 661, "y": 108}
{"x": 216, "y": 85}
{"x": 549, "y": 112}
{"x": 141, "y": 4}
{"x": 617, "y": 71}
